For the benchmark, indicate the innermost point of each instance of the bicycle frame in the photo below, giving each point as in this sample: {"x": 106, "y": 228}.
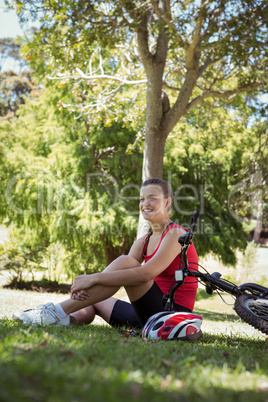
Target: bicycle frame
{"x": 211, "y": 281}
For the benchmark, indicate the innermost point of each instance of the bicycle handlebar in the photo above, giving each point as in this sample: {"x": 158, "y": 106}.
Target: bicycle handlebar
{"x": 185, "y": 239}
{"x": 194, "y": 220}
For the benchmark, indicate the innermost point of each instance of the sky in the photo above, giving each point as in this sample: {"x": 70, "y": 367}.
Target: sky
{"x": 9, "y": 24}
{"x": 9, "y": 28}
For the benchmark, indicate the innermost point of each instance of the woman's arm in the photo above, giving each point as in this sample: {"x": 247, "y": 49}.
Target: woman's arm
{"x": 136, "y": 250}
{"x": 84, "y": 282}
{"x": 168, "y": 250}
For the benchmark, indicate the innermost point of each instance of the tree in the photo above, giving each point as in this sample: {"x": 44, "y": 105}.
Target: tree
{"x": 10, "y": 49}
{"x": 202, "y": 161}
{"x": 249, "y": 198}
{"x": 70, "y": 188}
{"x": 66, "y": 186}
{"x": 13, "y": 84}
{"x": 182, "y": 55}
{"x": 13, "y": 88}
{"x": 190, "y": 51}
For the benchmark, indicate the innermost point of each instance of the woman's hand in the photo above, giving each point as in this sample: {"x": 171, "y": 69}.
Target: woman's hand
{"x": 80, "y": 295}
{"x": 82, "y": 282}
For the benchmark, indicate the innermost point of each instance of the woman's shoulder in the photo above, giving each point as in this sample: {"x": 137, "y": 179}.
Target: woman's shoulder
{"x": 174, "y": 229}
{"x": 136, "y": 248}
{"x": 141, "y": 239}
{"x": 171, "y": 235}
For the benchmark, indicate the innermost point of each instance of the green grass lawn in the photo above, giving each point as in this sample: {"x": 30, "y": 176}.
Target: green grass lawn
{"x": 97, "y": 363}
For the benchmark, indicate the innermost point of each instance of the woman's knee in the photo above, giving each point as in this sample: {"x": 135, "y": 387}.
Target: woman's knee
{"x": 104, "y": 308}
{"x": 123, "y": 262}
{"x": 129, "y": 261}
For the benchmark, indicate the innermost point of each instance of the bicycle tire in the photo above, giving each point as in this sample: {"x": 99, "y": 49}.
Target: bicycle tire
{"x": 253, "y": 310}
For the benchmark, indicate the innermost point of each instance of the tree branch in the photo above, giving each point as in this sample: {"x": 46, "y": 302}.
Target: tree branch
{"x": 167, "y": 18}
{"x": 97, "y": 77}
{"x": 208, "y": 62}
{"x": 192, "y": 69}
{"x": 166, "y": 85}
{"x": 143, "y": 43}
{"x": 222, "y": 95}
{"x": 104, "y": 152}
{"x": 192, "y": 54}
{"x": 213, "y": 24}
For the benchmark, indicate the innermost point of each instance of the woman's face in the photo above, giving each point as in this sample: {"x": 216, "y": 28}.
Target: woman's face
{"x": 153, "y": 204}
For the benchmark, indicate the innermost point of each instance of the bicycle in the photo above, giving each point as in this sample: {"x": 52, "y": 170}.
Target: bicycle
{"x": 251, "y": 299}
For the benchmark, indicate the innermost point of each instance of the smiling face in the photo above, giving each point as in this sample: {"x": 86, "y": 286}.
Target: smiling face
{"x": 153, "y": 204}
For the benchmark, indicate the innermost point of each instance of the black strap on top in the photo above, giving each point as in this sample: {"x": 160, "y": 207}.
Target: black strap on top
{"x": 146, "y": 244}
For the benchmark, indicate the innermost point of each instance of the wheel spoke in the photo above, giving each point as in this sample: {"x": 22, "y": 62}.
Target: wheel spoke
{"x": 258, "y": 307}
{"x": 253, "y": 310}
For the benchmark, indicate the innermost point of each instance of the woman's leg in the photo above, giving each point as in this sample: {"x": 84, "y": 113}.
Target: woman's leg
{"x": 97, "y": 294}
{"x": 50, "y": 314}
{"x": 100, "y": 293}
{"x": 84, "y": 316}
{"x": 148, "y": 304}
{"x": 103, "y": 309}
{"x": 124, "y": 315}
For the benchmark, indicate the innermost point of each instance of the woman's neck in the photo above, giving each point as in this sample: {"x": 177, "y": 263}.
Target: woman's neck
{"x": 159, "y": 227}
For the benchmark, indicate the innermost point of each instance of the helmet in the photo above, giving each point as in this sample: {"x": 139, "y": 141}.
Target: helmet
{"x": 170, "y": 325}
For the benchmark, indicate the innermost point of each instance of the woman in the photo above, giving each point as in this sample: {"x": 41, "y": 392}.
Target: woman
{"x": 146, "y": 273}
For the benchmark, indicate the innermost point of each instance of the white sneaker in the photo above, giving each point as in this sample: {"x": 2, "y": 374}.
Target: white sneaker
{"x": 46, "y": 314}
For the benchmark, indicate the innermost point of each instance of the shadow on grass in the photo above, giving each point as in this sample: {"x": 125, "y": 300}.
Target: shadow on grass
{"x": 211, "y": 315}
{"x": 96, "y": 363}
{"x": 203, "y": 295}
{"x": 116, "y": 388}
{"x": 216, "y": 316}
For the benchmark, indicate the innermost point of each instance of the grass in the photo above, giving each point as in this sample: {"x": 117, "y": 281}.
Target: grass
{"x": 96, "y": 363}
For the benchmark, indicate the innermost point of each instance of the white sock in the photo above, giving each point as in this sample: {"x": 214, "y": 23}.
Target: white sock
{"x": 60, "y": 310}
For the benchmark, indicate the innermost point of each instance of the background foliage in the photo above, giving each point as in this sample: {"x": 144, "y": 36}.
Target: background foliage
{"x": 70, "y": 176}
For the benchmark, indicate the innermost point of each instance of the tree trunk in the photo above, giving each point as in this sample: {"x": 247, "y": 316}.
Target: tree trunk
{"x": 153, "y": 154}
{"x": 160, "y": 118}
{"x": 257, "y": 203}
{"x": 258, "y": 227}
{"x": 154, "y": 60}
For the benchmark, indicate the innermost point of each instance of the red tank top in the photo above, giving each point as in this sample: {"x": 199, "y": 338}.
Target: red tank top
{"x": 186, "y": 294}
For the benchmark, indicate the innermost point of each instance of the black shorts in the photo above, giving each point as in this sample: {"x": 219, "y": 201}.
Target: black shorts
{"x": 135, "y": 314}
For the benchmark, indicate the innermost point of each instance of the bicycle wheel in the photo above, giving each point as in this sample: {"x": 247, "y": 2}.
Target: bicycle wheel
{"x": 253, "y": 310}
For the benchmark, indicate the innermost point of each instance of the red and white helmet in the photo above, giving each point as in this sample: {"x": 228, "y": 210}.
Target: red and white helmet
{"x": 175, "y": 325}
